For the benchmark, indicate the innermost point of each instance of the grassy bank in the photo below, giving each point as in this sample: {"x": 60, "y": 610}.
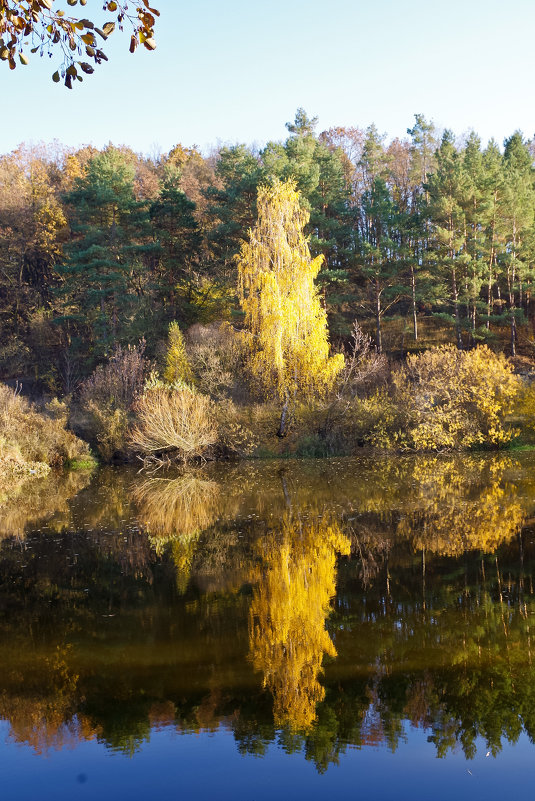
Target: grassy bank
{"x": 32, "y": 440}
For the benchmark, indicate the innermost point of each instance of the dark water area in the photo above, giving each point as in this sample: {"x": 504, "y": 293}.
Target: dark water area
{"x": 291, "y": 629}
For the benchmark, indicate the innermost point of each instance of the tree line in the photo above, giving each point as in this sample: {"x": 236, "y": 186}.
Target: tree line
{"x": 101, "y": 248}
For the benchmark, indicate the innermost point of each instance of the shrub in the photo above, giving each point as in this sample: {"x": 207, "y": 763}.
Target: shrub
{"x": 524, "y": 413}
{"x": 108, "y": 397}
{"x": 119, "y": 382}
{"x": 178, "y": 423}
{"x": 449, "y": 399}
{"x": 216, "y": 361}
{"x": 243, "y": 430}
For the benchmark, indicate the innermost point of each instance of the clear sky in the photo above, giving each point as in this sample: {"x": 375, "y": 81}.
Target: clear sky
{"x": 236, "y": 71}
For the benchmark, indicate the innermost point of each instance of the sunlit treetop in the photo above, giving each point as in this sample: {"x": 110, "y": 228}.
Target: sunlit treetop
{"x": 39, "y": 26}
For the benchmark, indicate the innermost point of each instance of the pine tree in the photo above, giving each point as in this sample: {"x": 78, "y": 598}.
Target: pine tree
{"x": 493, "y": 190}
{"x": 104, "y": 279}
{"x": 447, "y": 188}
{"x": 177, "y": 262}
{"x": 517, "y": 214}
{"x": 476, "y": 205}
{"x": 423, "y": 161}
{"x": 381, "y": 260}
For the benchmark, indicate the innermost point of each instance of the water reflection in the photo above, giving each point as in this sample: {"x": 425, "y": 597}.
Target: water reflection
{"x": 449, "y": 511}
{"x": 288, "y": 612}
{"x": 174, "y": 512}
{"x": 218, "y": 599}
{"x": 30, "y": 502}
{"x": 46, "y": 715}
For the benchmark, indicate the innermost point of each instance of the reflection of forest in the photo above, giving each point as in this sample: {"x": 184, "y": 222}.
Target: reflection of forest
{"x": 235, "y": 591}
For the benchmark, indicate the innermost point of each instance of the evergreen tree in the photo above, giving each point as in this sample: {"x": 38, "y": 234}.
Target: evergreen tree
{"x": 493, "y": 190}
{"x": 177, "y": 263}
{"x": 423, "y": 146}
{"x": 446, "y": 188}
{"x": 231, "y": 207}
{"x": 476, "y": 207}
{"x": 381, "y": 260}
{"x": 104, "y": 280}
{"x": 516, "y": 213}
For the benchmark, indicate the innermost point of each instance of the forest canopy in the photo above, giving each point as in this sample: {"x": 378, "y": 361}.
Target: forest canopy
{"x": 424, "y": 240}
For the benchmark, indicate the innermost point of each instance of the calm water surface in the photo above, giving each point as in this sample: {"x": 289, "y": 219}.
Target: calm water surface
{"x": 291, "y": 629}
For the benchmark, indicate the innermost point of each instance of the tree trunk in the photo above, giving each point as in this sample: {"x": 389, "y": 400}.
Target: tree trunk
{"x": 283, "y": 425}
{"x": 414, "y": 317}
{"x": 456, "y": 310}
{"x": 378, "y": 333}
{"x": 489, "y": 289}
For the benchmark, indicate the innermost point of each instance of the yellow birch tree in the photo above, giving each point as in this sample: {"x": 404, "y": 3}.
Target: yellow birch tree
{"x": 286, "y": 340}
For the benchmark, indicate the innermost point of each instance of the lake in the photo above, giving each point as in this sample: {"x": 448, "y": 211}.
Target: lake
{"x": 289, "y": 628}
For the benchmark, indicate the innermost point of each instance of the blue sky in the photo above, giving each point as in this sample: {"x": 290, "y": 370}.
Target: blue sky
{"x": 236, "y": 71}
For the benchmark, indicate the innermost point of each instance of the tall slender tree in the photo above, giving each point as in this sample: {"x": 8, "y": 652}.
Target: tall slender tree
{"x": 286, "y": 343}
{"x": 516, "y": 212}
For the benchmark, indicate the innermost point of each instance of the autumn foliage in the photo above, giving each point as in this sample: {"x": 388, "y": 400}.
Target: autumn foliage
{"x": 51, "y": 30}
{"x": 30, "y": 441}
{"x": 446, "y": 399}
{"x": 285, "y": 340}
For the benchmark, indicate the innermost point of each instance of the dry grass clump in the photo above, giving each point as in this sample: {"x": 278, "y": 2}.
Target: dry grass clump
{"x": 173, "y": 423}
{"x": 31, "y": 441}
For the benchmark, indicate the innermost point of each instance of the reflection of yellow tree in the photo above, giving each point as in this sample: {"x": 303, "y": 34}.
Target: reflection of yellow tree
{"x": 177, "y": 511}
{"x": 287, "y": 634}
{"x": 449, "y": 512}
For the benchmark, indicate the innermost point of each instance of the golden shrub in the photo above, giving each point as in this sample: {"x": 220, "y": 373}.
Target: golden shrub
{"x": 451, "y": 399}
